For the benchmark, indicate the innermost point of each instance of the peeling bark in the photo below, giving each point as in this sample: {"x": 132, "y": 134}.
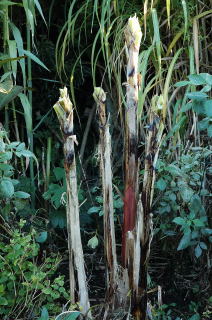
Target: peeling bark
{"x": 64, "y": 111}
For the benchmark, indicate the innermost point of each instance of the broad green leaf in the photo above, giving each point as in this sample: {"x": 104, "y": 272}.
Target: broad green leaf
{"x": 186, "y": 107}
{"x": 198, "y": 106}
{"x": 179, "y": 220}
{"x": 198, "y": 95}
{"x": 203, "y": 245}
{"x": 21, "y": 195}
{"x": 5, "y": 166}
{"x": 27, "y": 154}
{"x": 94, "y": 210}
{"x": 73, "y": 316}
{"x": 93, "y": 242}
{"x": 195, "y": 317}
{"x": 59, "y": 173}
{"x": 41, "y": 237}
{"x": 35, "y": 59}
{"x": 6, "y": 156}
{"x": 185, "y": 191}
{"x": 7, "y": 188}
{"x": 203, "y": 124}
{"x": 185, "y": 241}
{"x": 182, "y": 84}
{"x": 161, "y": 184}
{"x": 209, "y": 130}
{"x": 174, "y": 170}
{"x": 198, "y": 223}
{"x": 21, "y": 147}
{"x": 196, "y": 79}
{"x": 44, "y": 314}
{"x": 206, "y": 88}
{"x": 208, "y": 107}
{"x": 198, "y": 251}
{"x": 3, "y": 301}
{"x": 207, "y": 77}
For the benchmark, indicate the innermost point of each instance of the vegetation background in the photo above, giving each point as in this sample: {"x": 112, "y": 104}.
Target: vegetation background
{"x": 80, "y": 44}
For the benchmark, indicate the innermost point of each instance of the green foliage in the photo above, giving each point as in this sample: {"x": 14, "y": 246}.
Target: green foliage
{"x": 200, "y": 101}
{"x": 11, "y": 197}
{"x": 28, "y": 281}
{"x": 180, "y": 185}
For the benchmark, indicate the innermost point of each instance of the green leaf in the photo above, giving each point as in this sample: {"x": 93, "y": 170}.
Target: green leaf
{"x": 209, "y": 130}
{"x": 182, "y": 84}
{"x": 174, "y": 170}
{"x": 208, "y": 107}
{"x": 5, "y": 167}
{"x": 197, "y": 95}
{"x": 59, "y": 173}
{"x": 21, "y": 195}
{"x": 195, "y": 317}
{"x": 185, "y": 191}
{"x": 93, "y": 242}
{"x": 198, "y": 223}
{"x": 44, "y": 314}
{"x": 198, "y": 106}
{"x": 206, "y": 88}
{"x": 35, "y": 59}
{"x": 27, "y": 111}
{"x": 27, "y": 154}
{"x": 185, "y": 241}
{"x": 7, "y": 188}
{"x": 203, "y": 124}
{"x": 203, "y": 245}
{"x": 161, "y": 184}
{"x": 186, "y": 107}
{"x": 198, "y": 251}
{"x": 179, "y": 220}
{"x": 196, "y": 79}
{"x": 3, "y": 301}
{"x": 41, "y": 237}
{"x": 207, "y": 77}
{"x": 8, "y": 3}
{"x": 73, "y": 316}
{"x": 94, "y": 210}
{"x": 7, "y": 98}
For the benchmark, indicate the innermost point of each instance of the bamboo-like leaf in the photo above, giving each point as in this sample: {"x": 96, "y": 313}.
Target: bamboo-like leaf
{"x": 168, "y": 80}
{"x": 30, "y": 17}
{"x": 38, "y": 6}
{"x": 157, "y": 37}
{"x": 6, "y": 86}
{"x": 13, "y": 54}
{"x": 35, "y": 59}
{"x": 27, "y": 111}
{"x": 19, "y": 42}
{"x": 174, "y": 41}
{"x": 7, "y": 98}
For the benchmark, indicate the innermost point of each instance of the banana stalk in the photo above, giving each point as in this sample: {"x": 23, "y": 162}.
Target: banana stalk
{"x": 64, "y": 111}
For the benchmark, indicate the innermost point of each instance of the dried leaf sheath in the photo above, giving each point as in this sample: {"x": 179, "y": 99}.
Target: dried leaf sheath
{"x": 106, "y": 172}
{"x": 133, "y": 39}
{"x": 64, "y": 113}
